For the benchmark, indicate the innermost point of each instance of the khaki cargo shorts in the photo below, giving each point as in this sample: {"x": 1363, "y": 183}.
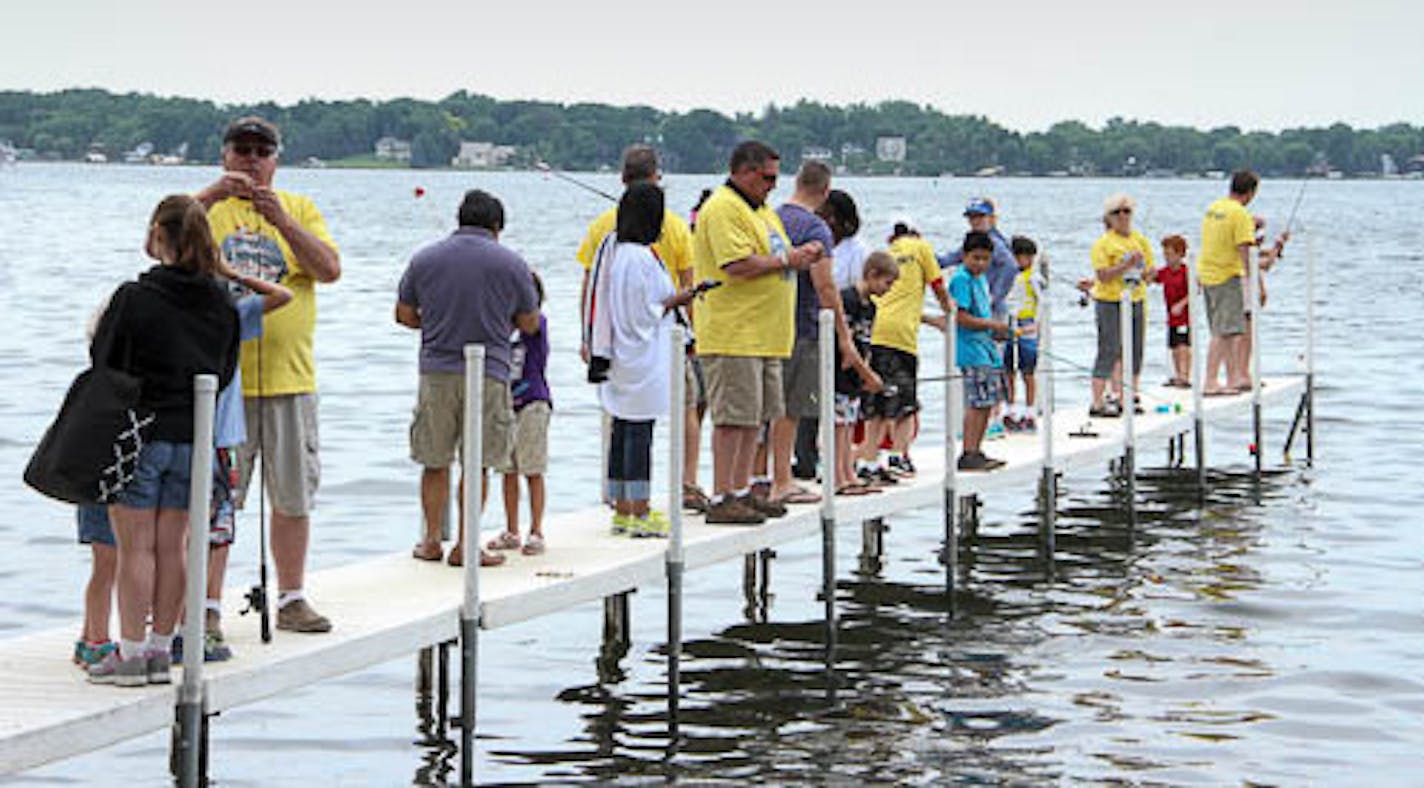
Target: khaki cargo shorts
{"x": 283, "y": 430}
{"x": 439, "y": 422}
{"x": 1226, "y": 308}
{"x": 531, "y": 439}
{"x": 743, "y": 391}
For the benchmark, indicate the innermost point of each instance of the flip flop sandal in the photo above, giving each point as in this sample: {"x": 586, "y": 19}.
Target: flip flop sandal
{"x": 799, "y": 496}
{"x": 428, "y": 551}
{"x": 694, "y": 499}
{"x": 857, "y": 489}
{"x": 534, "y": 545}
{"x": 505, "y": 541}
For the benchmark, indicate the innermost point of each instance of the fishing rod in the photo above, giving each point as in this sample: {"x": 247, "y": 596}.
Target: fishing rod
{"x": 543, "y": 166}
{"x": 1299, "y": 198}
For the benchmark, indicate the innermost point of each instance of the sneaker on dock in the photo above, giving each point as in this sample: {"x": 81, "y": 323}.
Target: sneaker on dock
{"x": 112, "y": 669}
{"x": 765, "y": 506}
{"x": 298, "y": 616}
{"x": 157, "y": 664}
{"x": 733, "y": 511}
{"x": 622, "y": 524}
{"x": 654, "y": 526}
{"x": 87, "y": 654}
{"x": 977, "y": 461}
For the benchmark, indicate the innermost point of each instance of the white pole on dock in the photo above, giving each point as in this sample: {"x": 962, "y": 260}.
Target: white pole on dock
{"x": 1310, "y": 351}
{"x": 1129, "y": 401}
{"x": 1253, "y": 306}
{"x": 1045, "y": 409}
{"x": 191, "y": 695}
{"x": 1200, "y": 341}
{"x": 827, "y": 405}
{"x": 677, "y": 437}
{"x": 951, "y": 457}
{"x": 473, "y": 476}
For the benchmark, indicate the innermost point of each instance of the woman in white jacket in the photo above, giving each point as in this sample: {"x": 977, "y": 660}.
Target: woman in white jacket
{"x": 637, "y": 303}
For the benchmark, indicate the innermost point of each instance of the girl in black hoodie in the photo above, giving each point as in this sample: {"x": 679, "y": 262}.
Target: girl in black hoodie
{"x": 175, "y": 322}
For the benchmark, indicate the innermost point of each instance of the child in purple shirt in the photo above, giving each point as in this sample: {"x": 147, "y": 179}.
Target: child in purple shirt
{"x": 532, "y": 407}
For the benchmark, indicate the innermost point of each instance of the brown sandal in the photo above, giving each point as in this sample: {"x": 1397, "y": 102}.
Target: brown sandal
{"x": 427, "y": 551}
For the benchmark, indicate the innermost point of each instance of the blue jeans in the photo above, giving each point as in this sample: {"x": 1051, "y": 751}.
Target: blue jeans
{"x": 161, "y": 478}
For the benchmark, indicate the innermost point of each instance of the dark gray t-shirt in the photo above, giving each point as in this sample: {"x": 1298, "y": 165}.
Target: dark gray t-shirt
{"x": 803, "y": 227}
{"x": 468, "y": 288}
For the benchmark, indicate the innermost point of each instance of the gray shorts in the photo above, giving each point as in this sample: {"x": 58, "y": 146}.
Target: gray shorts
{"x": 439, "y": 422}
{"x": 283, "y": 430}
{"x": 531, "y": 439}
{"x": 1109, "y": 316}
{"x": 1226, "y": 308}
{"x": 800, "y": 380}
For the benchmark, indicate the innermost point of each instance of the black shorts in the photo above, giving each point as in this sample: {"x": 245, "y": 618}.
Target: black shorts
{"x": 897, "y": 370}
{"x": 1178, "y": 336}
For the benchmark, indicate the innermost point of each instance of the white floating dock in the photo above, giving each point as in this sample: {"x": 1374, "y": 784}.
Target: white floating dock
{"x": 390, "y": 607}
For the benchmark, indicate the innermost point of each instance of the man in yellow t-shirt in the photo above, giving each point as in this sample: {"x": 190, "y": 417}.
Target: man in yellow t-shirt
{"x": 1120, "y": 255}
{"x": 279, "y": 237}
{"x": 674, "y": 248}
{"x": 894, "y": 345}
{"x": 1228, "y": 233}
{"x": 745, "y": 326}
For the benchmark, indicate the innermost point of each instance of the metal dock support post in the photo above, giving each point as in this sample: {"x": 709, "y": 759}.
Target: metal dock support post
{"x": 1129, "y": 403}
{"x": 677, "y": 437}
{"x": 1049, "y": 482}
{"x": 473, "y": 471}
{"x": 192, "y": 695}
{"x": 1310, "y": 351}
{"x": 1253, "y": 305}
{"x": 1196, "y": 320}
{"x": 951, "y": 458}
{"x": 829, "y": 460}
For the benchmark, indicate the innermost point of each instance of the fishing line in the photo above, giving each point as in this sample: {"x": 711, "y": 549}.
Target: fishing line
{"x": 544, "y": 167}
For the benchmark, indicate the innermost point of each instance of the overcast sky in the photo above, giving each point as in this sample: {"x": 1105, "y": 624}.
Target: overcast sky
{"x": 1025, "y": 64}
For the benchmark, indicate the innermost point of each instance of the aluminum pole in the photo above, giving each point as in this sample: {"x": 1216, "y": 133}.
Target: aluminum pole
{"x": 829, "y": 458}
{"x": 677, "y": 437}
{"x": 473, "y": 473}
{"x": 1129, "y": 401}
{"x": 191, "y": 695}
{"x": 952, "y": 422}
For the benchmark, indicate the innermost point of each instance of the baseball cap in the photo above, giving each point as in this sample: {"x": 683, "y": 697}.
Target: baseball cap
{"x": 251, "y": 125}
{"x": 979, "y": 205}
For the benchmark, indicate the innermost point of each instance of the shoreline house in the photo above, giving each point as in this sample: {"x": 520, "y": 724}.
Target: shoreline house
{"x": 392, "y": 149}
{"x": 483, "y": 155}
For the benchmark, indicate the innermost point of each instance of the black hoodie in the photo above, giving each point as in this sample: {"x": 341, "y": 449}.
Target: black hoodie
{"x": 167, "y": 327}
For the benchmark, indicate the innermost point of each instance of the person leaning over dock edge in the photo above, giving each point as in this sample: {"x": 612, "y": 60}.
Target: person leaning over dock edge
{"x": 1120, "y": 257}
{"x": 674, "y": 248}
{"x": 745, "y": 328}
{"x": 175, "y": 322}
{"x": 279, "y": 237}
{"x": 465, "y": 288}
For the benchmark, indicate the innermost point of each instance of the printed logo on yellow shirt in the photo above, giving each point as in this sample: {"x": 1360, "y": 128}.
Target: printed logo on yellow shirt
{"x": 255, "y": 255}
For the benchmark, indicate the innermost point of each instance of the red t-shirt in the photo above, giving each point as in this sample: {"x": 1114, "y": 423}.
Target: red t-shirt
{"x": 1174, "y": 289}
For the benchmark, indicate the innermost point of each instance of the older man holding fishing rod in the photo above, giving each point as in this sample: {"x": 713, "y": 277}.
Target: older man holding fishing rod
{"x": 674, "y": 249}
{"x": 280, "y": 237}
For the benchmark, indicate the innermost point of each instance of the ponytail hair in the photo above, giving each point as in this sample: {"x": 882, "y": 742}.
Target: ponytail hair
{"x": 185, "y": 228}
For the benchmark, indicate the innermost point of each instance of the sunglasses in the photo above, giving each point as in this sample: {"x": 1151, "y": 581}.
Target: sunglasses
{"x": 1120, "y": 212}
{"x": 260, "y": 151}
{"x": 769, "y": 177}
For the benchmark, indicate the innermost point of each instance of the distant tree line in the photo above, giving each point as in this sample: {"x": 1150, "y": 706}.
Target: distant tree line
{"x": 69, "y": 124}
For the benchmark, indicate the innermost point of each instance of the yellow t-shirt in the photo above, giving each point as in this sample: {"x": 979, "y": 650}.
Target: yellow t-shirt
{"x": 1108, "y": 251}
{"x": 673, "y": 247}
{"x": 1225, "y": 227}
{"x": 254, "y": 247}
{"x": 897, "y": 313}
{"x": 1025, "y": 294}
{"x": 743, "y": 317}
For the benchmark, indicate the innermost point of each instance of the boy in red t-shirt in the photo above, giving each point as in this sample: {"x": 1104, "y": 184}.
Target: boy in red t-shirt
{"x": 1173, "y": 278}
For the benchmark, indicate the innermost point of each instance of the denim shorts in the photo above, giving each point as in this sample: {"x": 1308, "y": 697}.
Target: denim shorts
{"x": 94, "y": 526}
{"x": 161, "y": 478}
{"x": 983, "y": 387}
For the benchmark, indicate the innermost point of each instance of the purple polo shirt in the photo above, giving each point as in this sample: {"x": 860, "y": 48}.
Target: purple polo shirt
{"x": 467, "y": 288}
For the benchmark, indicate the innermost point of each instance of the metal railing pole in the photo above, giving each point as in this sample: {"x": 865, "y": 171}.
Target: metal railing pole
{"x": 1129, "y": 402}
{"x": 1254, "y": 306}
{"x": 1310, "y": 350}
{"x": 1045, "y": 407}
{"x": 1200, "y": 342}
{"x": 829, "y": 458}
{"x": 952, "y": 422}
{"x": 677, "y": 437}
{"x": 191, "y": 694}
{"x": 473, "y": 472}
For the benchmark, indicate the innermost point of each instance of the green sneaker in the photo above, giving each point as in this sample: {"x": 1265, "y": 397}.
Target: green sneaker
{"x": 623, "y": 524}
{"x": 87, "y": 654}
{"x": 654, "y": 526}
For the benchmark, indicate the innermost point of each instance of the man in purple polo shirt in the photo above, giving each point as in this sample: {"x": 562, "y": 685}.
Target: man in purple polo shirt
{"x": 462, "y": 289}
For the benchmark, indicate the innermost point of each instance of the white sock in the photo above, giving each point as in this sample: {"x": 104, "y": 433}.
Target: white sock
{"x": 128, "y": 649}
{"x": 160, "y": 643}
{"x": 214, "y": 605}
{"x": 288, "y": 597}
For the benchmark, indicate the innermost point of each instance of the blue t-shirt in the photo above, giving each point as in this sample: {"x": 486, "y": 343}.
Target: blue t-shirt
{"x": 803, "y": 227}
{"x": 229, "y": 424}
{"x": 1003, "y": 269}
{"x": 973, "y": 347}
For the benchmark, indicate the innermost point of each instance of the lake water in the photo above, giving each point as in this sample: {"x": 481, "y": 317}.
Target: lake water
{"x": 1230, "y": 643}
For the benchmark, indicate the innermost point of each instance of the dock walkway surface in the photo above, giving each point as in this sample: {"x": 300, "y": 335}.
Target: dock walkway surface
{"x": 390, "y": 607}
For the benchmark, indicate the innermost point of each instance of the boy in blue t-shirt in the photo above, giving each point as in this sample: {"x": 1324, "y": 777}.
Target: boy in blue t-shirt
{"x": 974, "y": 349}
